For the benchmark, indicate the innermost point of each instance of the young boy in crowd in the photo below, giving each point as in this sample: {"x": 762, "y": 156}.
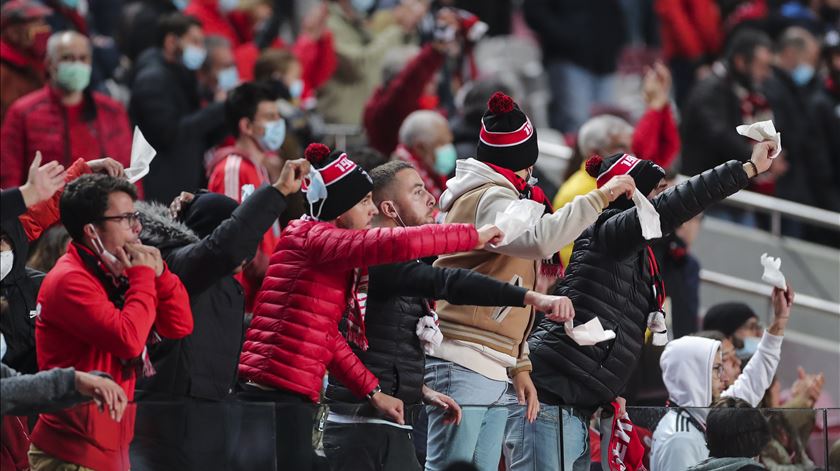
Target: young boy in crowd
{"x": 318, "y": 273}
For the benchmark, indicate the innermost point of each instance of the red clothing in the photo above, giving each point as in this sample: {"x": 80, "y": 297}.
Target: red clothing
{"x": 389, "y": 105}
{"x": 690, "y": 29}
{"x": 14, "y": 451}
{"x": 39, "y": 121}
{"x": 294, "y": 338}
{"x": 43, "y": 215}
{"x": 656, "y": 137}
{"x": 79, "y": 326}
{"x": 234, "y": 174}
{"x": 213, "y": 22}
{"x": 20, "y": 74}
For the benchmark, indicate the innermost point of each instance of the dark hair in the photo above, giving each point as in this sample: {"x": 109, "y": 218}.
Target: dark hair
{"x": 85, "y": 201}
{"x": 49, "y": 248}
{"x": 272, "y": 60}
{"x": 735, "y": 429}
{"x": 243, "y": 101}
{"x": 384, "y": 174}
{"x": 744, "y": 43}
{"x": 175, "y": 23}
{"x": 711, "y": 334}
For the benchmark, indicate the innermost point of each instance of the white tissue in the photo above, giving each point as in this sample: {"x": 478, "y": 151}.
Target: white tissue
{"x": 142, "y": 155}
{"x": 772, "y": 275}
{"x": 518, "y": 217}
{"x": 588, "y": 334}
{"x": 656, "y": 325}
{"x": 762, "y": 131}
{"x": 429, "y": 334}
{"x": 648, "y": 217}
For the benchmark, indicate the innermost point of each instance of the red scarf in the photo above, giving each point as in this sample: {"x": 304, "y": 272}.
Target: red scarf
{"x": 356, "y": 308}
{"x": 626, "y": 452}
{"x": 435, "y": 184}
{"x": 550, "y": 266}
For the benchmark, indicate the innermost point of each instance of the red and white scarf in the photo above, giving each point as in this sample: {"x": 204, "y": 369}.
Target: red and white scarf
{"x": 435, "y": 184}
{"x": 357, "y": 307}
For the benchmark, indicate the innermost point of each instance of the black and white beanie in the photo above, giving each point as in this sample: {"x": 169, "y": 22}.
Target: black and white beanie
{"x": 507, "y": 138}
{"x": 335, "y": 183}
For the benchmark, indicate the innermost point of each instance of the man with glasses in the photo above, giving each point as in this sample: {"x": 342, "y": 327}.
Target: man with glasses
{"x": 104, "y": 300}
{"x": 65, "y": 119}
{"x": 694, "y": 372}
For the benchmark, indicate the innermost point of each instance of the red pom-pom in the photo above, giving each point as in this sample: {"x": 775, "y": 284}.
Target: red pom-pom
{"x": 500, "y": 103}
{"x": 593, "y": 165}
{"x": 316, "y": 152}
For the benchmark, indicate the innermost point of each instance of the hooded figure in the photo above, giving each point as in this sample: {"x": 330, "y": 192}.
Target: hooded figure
{"x": 691, "y": 370}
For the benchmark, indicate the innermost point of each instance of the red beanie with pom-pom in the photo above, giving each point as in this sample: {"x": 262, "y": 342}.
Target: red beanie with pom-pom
{"x": 346, "y": 183}
{"x": 507, "y": 138}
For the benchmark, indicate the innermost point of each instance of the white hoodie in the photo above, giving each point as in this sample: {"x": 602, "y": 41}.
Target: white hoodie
{"x": 686, "y": 366}
{"x": 546, "y": 237}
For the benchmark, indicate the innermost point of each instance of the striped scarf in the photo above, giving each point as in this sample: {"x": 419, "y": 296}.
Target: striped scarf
{"x": 356, "y": 308}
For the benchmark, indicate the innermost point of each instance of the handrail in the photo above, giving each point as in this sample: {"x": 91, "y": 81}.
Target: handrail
{"x": 752, "y": 287}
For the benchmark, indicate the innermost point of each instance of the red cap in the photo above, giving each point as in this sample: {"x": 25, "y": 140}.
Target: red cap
{"x": 21, "y": 11}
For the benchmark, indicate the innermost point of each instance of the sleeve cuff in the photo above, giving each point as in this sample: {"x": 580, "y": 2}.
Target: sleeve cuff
{"x": 524, "y": 364}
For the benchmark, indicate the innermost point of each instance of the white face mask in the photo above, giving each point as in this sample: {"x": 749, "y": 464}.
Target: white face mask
{"x": 2, "y": 346}
{"x": 7, "y": 260}
{"x": 108, "y": 259}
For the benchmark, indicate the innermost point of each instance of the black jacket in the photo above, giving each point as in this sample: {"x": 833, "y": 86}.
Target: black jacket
{"x": 826, "y": 105}
{"x": 609, "y": 277}
{"x": 20, "y": 288}
{"x": 710, "y": 116}
{"x": 204, "y": 364}
{"x": 12, "y": 203}
{"x": 589, "y": 33}
{"x": 396, "y": 302}
{"x": 166, "y": 107}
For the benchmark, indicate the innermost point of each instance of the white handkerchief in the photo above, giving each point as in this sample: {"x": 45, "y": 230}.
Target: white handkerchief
{"x": 588, "y": 334}
{"x": 762, "y": 131}
{"x": 772, "y": 274}
{"x": 142, "y": 155}
{"x": 429, "y": 334}
{"x": 648, "y": 217}
{"x": 518, "y": 217}
{"x": 656, "y": 325}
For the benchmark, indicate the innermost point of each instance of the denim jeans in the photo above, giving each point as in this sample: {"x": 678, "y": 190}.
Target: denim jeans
{"x": 536, "y": 446}
{"x": 478, "y": 439}
{"x": 574, "y": 90}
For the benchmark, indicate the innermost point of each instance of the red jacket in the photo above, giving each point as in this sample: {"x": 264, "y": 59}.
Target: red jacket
{"x": 690, "y": 29}
{"x": 294, "y": 338}
{"x": 230, "y": 173}
{"x": 78, "y": 326}
{"x": 390, "y": 104}
{"x": 38, "y": 121}
{"x": 656, "y": 137}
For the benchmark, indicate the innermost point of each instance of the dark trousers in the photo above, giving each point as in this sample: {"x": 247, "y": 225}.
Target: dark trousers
{"x": 369, "y": 447}
{"x": 294, "y": 417}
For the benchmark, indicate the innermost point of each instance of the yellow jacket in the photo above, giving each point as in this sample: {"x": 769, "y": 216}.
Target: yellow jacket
{"x": 579, "y": 183}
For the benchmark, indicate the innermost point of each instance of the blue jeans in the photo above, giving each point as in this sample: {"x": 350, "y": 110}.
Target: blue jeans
{"x": 574, "y": 91}
{"x": 536, "y": 446}
{"x": 478, "y": 439}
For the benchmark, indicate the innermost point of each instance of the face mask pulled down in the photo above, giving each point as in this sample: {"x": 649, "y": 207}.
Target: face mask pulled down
{"x": 108, "y": 259}
{"x": 7, "y": 261}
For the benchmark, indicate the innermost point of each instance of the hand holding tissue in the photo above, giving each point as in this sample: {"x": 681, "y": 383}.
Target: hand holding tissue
{"x": 518, "y": 218}
{"x": 772, "y": 274}
{"x": 762, "y": 131}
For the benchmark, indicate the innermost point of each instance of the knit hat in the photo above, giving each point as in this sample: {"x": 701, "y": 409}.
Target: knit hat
{"x": 727, "y": 317}
{"x": 21, "y": 11}
{"x": 335, "y": 183}
{"x": 507, "y": 138}
{"x": 207, "y": 211}
{"x": 645, "y": 173}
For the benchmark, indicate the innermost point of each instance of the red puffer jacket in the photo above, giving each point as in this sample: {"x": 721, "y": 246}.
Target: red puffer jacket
{"x": 294, "y": 335}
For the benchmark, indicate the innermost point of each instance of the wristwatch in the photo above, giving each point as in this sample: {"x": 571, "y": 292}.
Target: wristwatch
{"x": 370, "y": 395}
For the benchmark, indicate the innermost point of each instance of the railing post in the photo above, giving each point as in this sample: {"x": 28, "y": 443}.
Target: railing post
{"x": 776, "y": 223}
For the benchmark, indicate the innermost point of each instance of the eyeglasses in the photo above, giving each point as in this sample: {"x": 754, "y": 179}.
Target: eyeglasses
{"x": 132, "y": 218}
{"x": 718, "y": 370}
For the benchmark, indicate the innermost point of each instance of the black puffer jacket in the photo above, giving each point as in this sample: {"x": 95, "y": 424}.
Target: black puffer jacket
{"x": 20, "y": 288}
{"x": 609, "y": 277}
{"x": 203, "y": 365}
{"x": 396, "y": 302}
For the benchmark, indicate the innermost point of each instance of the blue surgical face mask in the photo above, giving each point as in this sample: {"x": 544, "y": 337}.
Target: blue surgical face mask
{"x": 445, "y": 158}
{"x": 749, "y": 349}
{"x": 802, "y": 74}
{"x": 71, "y": 4}
{"x": 73, "y": 76}
{"x": 296, "y": 89}
{"x": 193, "y": 57}
{"x": 363, "y": 7}
{"x": 181, "y": 5}
{"x": 227, "y": 6}
{"x": 275, "y": 134}
{"x": 228, "y": 78}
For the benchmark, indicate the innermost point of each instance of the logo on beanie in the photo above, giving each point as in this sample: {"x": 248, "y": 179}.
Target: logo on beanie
{"x": 506, "y": 139}
{"x": 622, "y": 166}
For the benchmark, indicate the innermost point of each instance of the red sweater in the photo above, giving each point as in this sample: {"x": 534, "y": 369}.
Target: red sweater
{"x": 389, "y": 105}
{"x": 78, "y": 326}
{"x": 39, "y": 121}
{"x": 656, "y": 137}
{"x": 294, "y": 338}
{"x": 690, "y": 29}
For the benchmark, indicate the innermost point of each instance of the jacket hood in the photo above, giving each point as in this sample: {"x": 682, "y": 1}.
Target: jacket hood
{"x": 160, "y": 230}
{"x": 687, "y": 371}
{"x": 469, "y": 175}
{"x": 20, "y": 246}
{"x": 722, "y": 464}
